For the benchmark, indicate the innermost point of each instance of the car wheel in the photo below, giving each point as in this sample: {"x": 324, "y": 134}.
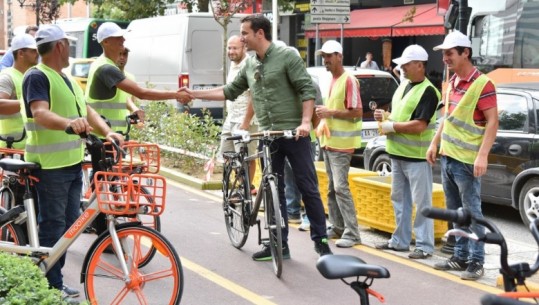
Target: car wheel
{"x": 318, "y": 155}
{"x": 382, "y": 164}
{"x": 528, "y": 201}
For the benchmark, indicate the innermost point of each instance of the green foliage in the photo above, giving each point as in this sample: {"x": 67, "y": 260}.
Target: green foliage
{"x": 22, "y": 283}
{"x": 166, "y": 126}
{"x": 126, "y": 9}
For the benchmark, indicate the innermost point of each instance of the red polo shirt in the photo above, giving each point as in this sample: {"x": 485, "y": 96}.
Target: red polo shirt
{"x": 486, "y": 101}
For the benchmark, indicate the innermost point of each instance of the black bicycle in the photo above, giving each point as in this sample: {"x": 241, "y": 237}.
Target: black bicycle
{"x": 240, "y": 210}
{"x": 514, "y": 275}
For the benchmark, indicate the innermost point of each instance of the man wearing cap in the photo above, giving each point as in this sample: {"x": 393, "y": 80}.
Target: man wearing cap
{"x": 52, "y": 103}
{"x": 24, "y": 50}
{"x": 8, "y": 59}
{"x": 409, "y": 129}
{"x": 465, "y": 136}
{"x": 283, "y": 99}
{"x": 105, "y": 78}
{"x": 341, "y": 114}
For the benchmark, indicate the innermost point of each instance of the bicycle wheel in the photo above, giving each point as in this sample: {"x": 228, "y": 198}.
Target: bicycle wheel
{"x": 159, "y": 282}
{"x": 150, "y": 221}
{"x": 274, "y": 224}
{"x": 235, "y": 205}
{"x": 12, "y": 232}
{"x": 6, "y": 199}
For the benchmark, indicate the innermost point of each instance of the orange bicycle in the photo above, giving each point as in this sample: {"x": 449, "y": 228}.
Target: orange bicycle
{"x": 109, "y": 278}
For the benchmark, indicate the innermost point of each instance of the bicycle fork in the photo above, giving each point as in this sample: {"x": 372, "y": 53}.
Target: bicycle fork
{"x": 118, "y": 249}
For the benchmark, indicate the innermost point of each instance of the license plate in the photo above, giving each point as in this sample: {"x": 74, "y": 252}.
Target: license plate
{"x": 369, "y": 133}
{"x": 204, "y": 87}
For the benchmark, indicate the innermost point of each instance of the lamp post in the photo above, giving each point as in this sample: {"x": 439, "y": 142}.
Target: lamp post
{"x": 36, "y": 6}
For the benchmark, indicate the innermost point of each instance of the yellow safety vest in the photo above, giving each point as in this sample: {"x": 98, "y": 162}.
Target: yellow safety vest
{"x": 461, "y": 137}
{"x": 114, "y": 109}
{"x": 403, "y": 144}
{"x": 54, "y": 148}
{"x": 12, "y": 125}
{"x": 344, "y": 133}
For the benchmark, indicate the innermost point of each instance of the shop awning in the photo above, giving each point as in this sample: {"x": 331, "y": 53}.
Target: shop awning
{"x": 385, "y": 22}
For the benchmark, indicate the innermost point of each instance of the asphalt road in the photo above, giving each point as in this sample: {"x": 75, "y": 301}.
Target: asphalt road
{"x": 217, "y": 273}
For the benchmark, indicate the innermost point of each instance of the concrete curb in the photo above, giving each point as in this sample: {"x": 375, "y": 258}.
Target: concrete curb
{"x": 190, "y": 181}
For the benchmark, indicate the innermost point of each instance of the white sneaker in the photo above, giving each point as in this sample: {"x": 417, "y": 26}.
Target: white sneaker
{"x": 305, "y": 226}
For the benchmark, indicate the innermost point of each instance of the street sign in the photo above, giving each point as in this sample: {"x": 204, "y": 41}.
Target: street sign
{"x": 330, "y": 19}
{"x": 331, "y": 10}
{"x": 331, "y": 2}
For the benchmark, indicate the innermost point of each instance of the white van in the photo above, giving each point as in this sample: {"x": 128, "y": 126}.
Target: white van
{"x": 169, "y": 52}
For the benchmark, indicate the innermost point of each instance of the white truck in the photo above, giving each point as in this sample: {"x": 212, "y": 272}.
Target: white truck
{"x": 169, "y": 52}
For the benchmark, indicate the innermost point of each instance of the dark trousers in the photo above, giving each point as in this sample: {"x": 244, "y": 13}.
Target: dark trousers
{"x": 300, "y": 158}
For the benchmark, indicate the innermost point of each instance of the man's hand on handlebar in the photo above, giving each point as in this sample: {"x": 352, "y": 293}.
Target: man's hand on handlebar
{"x": 115, "y": 137}
{"x": 303, "y": 130}
{"x": 79, "y": 126}
{"x": 140, "y": 114}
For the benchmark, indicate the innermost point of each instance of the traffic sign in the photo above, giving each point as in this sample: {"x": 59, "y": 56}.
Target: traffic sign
{"x": 330, "y": 19}
{"x": 331, "y": 10}
{"x": 331, "y": 2}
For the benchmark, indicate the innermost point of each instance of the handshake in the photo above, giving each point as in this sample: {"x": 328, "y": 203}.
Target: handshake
{"x": 385, "y": 126}
{"x": 184, "y": 95}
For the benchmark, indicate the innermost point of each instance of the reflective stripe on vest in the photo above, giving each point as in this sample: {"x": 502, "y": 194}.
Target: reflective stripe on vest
{"x": 54, "y": 148}
{"x": 12, "y": 125}
{"x": 115, "y": 108}
{"x": 404, "y": 144}
{"x": 461, "y": 137}
{"x": 344, "y": 133}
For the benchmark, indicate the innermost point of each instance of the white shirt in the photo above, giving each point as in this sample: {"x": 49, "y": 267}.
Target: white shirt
{"x": 236, "y": 109}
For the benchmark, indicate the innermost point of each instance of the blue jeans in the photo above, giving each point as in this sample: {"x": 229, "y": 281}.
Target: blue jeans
{"x": 291, "y": 191}
{"x": 341, "y": 208}
{"x": 299, "y": 155}
{"x": 411, "y": 182}
{"x": 58, "y": 192}
{"x": 462, "y": 189}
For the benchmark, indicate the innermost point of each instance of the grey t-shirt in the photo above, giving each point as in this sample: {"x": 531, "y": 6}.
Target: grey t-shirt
{"x": 105, "y": 80}
{"x": 7, "y": 86}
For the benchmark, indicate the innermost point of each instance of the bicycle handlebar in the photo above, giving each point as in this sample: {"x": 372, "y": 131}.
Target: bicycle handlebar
{"x": 10, "y": 140}
{"x": 464, "y": 218}
{"x": 94, "y": 141}
{"x": 245, "y": 136}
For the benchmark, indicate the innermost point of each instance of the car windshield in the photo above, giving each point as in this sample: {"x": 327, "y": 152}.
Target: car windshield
{"x": 81, "y": 69}
{"x": 376, "y": 89}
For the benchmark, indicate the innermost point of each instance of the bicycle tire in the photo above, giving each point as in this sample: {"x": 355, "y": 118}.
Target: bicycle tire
{"x": 236, "y": 208}
{"x": 159, "y": 282}
{"x": 6, "y": 199}
{"x": 12, "y": 232}
{"x": 275, "y": 225}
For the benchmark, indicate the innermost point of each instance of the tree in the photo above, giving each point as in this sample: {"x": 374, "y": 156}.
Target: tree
{"x": 125, "y": 9}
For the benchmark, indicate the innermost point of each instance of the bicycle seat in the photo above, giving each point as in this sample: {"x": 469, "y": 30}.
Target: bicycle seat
{"x": 14, "y": 165}
{"x": 343, "y": 266}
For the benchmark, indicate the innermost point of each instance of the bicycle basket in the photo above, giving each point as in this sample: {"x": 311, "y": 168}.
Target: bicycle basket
{"x": 121, "y": 193}
{"x": 140, "y": 158}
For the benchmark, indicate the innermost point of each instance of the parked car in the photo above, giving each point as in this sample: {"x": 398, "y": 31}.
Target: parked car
{"x": 512, "y": 177}
{"x": 375, "y": 86}
{"x": 79, "y": 69}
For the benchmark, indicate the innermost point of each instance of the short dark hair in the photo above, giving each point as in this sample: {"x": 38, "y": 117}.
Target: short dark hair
{"x": 46, "y": 47}
{"x": 31, "y": 28}
{"x": 461, "y": 49}
{"x": 259, "y": 22}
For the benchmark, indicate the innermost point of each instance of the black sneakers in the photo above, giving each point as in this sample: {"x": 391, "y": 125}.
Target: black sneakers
{"x": 265, "y": 253}
{"x": 452, "y": 263}
{"x": 473, "y": 272}
{"x": 322, "y": 247}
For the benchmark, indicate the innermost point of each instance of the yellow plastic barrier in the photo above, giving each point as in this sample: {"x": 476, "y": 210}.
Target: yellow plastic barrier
{"x": 372, "y": 197}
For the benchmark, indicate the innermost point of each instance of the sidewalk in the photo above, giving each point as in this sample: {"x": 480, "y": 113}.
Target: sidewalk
{"x": 518, "y": 251}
